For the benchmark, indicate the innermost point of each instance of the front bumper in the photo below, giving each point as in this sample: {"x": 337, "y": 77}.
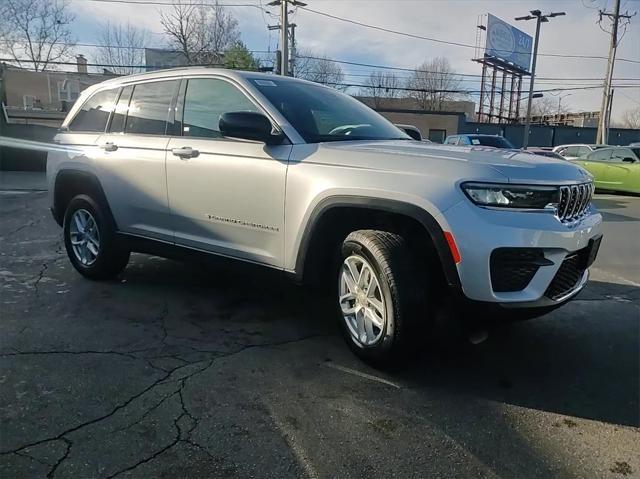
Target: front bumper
{"x": 478, "y": 232}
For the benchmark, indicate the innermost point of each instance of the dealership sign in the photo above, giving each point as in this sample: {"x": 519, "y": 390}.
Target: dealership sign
{"x": 507, "y": 43}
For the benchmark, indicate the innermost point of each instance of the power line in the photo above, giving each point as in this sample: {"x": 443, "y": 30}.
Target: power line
{"x": 445, "y": 42}
{"x": 411, "y": 70}
{"x": 355, "y": 22}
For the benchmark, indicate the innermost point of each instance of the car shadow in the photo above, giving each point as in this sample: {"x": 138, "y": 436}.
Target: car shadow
{"x": 580, "y": 360}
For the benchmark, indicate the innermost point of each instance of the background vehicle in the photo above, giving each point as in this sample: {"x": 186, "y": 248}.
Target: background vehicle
{"x": 544, "y": 152}
{"x": 637, "y": 143}
{"x": 614, "y": 169}
{"x": 199, "y": 161}
{"x": 573, "y": 152}
{"x": 495, "y": 141}
{"x": 413, "y": 131}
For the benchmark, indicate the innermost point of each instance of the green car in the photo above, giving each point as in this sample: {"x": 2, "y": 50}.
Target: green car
{"x": 614, "y": 169}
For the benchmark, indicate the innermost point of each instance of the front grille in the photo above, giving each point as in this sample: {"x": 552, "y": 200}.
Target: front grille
{"x": 574, "y": 201}
{"x": 512, "y": 269}
{"x": 568, "y": 275}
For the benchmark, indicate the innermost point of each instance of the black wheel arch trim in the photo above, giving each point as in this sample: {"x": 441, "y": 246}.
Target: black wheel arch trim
{"x": 387, "y": 205}
{"x": 84, "y": 176}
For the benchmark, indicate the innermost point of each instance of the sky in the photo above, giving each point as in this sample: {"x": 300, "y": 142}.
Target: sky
{"x": 577, "y": 33}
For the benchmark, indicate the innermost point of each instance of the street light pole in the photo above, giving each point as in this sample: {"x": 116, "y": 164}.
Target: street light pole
{"x": 540, "y": 18}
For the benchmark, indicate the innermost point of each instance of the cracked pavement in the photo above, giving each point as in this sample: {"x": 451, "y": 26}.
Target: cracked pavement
{"x": 190, "y": 370}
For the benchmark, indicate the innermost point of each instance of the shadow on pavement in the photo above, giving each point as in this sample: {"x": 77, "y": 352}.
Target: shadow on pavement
{"x": 581, "y": 360}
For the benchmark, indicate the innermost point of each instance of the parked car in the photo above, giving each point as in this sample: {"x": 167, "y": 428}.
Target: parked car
{"x": 544, "y": 152}
{"x": 637, "y": 143}
{"x": 573, "y": 152}
{"x": 413, "y": 131}
{"x": 614, "y": 169}
{"x": 199, "y": 161}
{"x": 495, "y": 141}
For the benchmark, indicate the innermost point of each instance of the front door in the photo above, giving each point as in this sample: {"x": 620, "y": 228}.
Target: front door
{"x": 622, "y": 169}
{"x": 226, "y": 196}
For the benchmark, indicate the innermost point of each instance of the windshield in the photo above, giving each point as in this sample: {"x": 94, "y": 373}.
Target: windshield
{"x": 322, "y": 114}
{"x": 495, "y": 141}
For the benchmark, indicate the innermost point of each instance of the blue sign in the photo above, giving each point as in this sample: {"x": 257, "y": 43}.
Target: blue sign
{"x": 507, "y": 43}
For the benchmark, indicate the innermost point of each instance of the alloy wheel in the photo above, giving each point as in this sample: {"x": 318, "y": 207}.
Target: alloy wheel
{"x": 84, "y": 236}
{"x": 361, "y": 301}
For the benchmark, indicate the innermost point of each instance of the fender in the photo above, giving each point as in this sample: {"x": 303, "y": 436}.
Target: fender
{"x": 390, "y": 206}
{"x": 84, "y": 181}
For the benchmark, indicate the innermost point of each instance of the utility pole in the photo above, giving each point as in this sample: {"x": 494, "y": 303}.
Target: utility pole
{"x": 605, "y": 106}
{"x": 284, "y": 31}
{"x": 560, "y": 97}
{"x": 540, "y": 18}
{"x": 292, "y": 61}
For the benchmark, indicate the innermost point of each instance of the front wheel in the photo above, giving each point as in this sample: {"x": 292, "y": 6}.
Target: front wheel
{"x": 381, "y": 296}
{"x": 90, "y": 240}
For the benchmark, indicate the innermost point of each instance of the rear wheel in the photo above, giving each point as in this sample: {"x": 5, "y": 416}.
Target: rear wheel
{"x": 382, "y": 296}
{"x": 90, "y": 240}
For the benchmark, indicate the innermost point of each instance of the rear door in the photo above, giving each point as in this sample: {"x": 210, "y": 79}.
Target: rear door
{"x": 133, "y": 155}
{"x": 226, "y": 195}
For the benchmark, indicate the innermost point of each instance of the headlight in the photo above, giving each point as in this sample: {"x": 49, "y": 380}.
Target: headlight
{"x": 512, "y": 196}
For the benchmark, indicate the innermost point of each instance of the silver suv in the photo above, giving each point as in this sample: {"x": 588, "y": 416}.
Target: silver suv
{"x": 304, "y": 179}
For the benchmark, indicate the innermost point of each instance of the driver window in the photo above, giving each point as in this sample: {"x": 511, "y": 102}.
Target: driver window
{"x": 206, "y": 99}
{"x": 620, "y": 154}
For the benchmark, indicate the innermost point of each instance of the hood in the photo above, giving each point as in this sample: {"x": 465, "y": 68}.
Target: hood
{"x": 515, "y": 165}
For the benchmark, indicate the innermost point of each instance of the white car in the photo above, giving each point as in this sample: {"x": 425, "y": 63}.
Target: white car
{"x": 575, "y": 151}
{"x": 304, "y": 179}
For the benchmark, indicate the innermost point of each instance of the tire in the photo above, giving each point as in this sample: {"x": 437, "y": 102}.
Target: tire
{"x": 398, "y": 288}
{"x": 96, "y": 253}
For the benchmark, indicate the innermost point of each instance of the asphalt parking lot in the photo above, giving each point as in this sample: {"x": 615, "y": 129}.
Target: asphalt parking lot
{"x": 183, "y": 370}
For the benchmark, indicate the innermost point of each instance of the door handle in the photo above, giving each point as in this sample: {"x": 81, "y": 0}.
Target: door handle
{"x": 185, "y": 152}
{"x": 109, "y": 146}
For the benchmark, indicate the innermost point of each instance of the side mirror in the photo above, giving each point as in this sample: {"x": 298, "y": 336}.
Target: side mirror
{"x": 249, "y": 125}
{"x": 629, "y": 160}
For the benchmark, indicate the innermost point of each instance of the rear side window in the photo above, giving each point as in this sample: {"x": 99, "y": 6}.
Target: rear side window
{"x": 583, "y": 150}
{"x": 452, "y": 140}
{"x": 122, "y": 108}
{"x": 205, "y": 101}
{"x": 95, "y": 112}
{"x": 149, "y": 108}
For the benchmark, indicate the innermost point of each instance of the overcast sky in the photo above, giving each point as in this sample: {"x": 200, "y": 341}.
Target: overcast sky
{"x": 454, "y": 20}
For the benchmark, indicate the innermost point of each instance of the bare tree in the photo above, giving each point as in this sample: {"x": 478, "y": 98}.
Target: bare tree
{"x": 433, "y": 84}
{"x": 36, "y": 32}
{"x": 631, "y": 118}
{"x": 381, "y": 85}
{"x": 122, "y": 47}
{"x": 200, "y": 31}
{"x": 543, "y": 107}
{"x": 319, "y": 69}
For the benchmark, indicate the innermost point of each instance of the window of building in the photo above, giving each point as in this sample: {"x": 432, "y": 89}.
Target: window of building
{"x": 68, "y": 90}
{"x": 149, "y": 108}
{"x": 205, "y": 101}
{"x": 30, "y": 102}
{"x": 95, "y": 112}
{"x": 437, "y": 136}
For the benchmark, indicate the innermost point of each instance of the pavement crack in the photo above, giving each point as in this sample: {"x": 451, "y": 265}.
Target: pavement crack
{"x": 65, "y": 455}
{"x": 146, "y": 413}
{"x": 20, "y": 228}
